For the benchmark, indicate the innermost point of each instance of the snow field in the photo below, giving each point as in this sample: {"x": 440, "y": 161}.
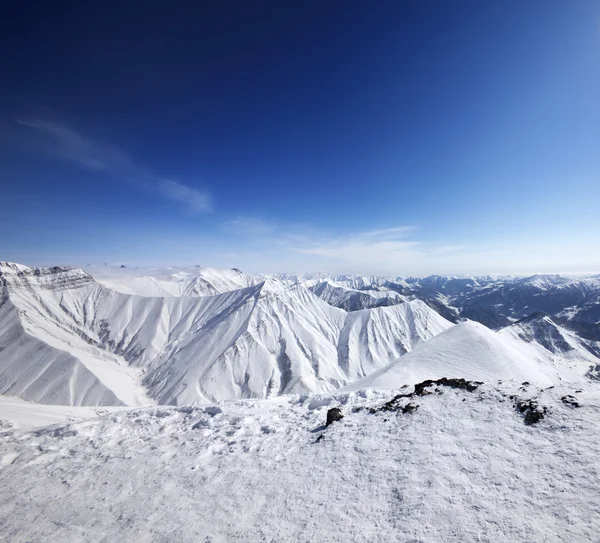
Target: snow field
{"x": 462, "y": 467}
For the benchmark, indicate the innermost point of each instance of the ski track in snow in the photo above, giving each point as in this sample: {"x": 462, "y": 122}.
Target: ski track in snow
{"x": 463, "y": 467}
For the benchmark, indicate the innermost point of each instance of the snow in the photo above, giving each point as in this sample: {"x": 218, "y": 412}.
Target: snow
{"x": 340, "y": 295}
{"x": 70, "y": 340}
{"x": 471, "y": 351}
{"x": 462, "y": 467}
{"x": 167, "y": 282}
{"x": 17, "y": 413}
{"x": 250, "y": 366}
{"x": 542, "y": 332}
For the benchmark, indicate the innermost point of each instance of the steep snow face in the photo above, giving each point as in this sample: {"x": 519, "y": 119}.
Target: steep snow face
{"x": 36, "y": 371}
{"x": 472, "y": 351}
{"x": 56, "y": 278}
{"x": 190, "y": 281}
{"x": 286, "y": 340}
{"x": 373, "y": 337}
{"x": 350, "y": 299}
{"x": 49, "y": 353}
{"x": 259, "y": 341}
{"x": 265, "y": 340}
{"x": 542, "y": 331}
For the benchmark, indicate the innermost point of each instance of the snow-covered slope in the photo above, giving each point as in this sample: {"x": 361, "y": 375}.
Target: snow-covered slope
{"x": 349, "y": 299}
{"x": 543, "y": 331}
{"x": 34, "y": 370}
{"x": 472, "y": 351}
{"x": 162, "y": 282}
{"x": 372, "y": 338}
{"x": 257, "y": 341}
{"x": 462, "y": 467}
{"x": 17, "y": 413}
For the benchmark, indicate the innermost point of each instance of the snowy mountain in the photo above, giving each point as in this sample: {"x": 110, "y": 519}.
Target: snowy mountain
{"x": 541, "y": 330}
{"x": 109, "y": 347}
{"x": 163, "y": 282}
{"x": 473, "y": 351}
{"x": 351, "y": 299}
{"x": 571, "y": 302}
{"x": 496, "y": 302}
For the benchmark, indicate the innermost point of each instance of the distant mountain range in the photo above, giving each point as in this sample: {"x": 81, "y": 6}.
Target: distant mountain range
{"x": 120, "y": 336}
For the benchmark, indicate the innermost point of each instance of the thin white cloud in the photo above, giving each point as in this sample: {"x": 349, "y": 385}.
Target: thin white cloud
{"x": 64, "y": 142}
{"x": 447, "y": 249}
{"x": 249, "y": 226}
{"x": 197, "y": 201}
{"x": 371, "y": 251}
{"x": 394, "y": 233}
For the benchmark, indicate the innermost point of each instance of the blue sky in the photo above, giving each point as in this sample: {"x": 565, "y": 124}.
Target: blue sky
{"x": 358, "y": 137}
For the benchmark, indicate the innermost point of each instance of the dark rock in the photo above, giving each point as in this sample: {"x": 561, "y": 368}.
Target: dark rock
{"x": 409, "y": 408}
{"x": 392, "y": 405}
{"x": 525, "y": 383}
{"x": 395, "y": 404}
{"x": 593, "y": 372}
{"x": 462, "y": 384}
{"x": 532, "y": 417}
{"x": 571, "y": 401}
{"x": 531, "y": 411}
{"x": 319, "y": 438}
{"x": 334, "y": 414}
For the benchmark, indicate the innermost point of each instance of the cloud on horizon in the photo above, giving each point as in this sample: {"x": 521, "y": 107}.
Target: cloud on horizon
{"x": 256, "y": 245}
{"x": 66, "y": 143}
{"x": 303, "y": 248}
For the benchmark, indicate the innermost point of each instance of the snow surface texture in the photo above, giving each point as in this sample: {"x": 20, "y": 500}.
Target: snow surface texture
{"x": 17, "y": 413}
{"x": 67, "y": 339}
{"x": 462, "y": 467}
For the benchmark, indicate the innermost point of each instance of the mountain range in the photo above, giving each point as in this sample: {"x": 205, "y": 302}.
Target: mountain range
{"x": 116, "y": 336}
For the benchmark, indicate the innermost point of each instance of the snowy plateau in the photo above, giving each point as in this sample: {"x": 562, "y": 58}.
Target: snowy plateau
{"x": 199, "y": 404}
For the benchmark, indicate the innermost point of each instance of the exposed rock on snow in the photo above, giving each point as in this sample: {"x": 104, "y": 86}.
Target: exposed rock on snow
{"x": 334, "y": 414}
{"x": 423, "y": 389}
{"x": 532, "y": 412}
{"x": 570, "y": 400}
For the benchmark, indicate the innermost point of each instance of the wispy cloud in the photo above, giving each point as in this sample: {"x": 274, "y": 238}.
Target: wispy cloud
{"x": 66, "y": 143}
{"x": 369, "y": 251}
{"x": 197, "y": 201}
{"x": 394, "y": 233}
{"x": 249, "y": 226}
{"x": 300, "y": 247}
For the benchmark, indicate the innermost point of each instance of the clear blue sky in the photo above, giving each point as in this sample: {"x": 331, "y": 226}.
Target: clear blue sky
{"x": 345, "y": 136}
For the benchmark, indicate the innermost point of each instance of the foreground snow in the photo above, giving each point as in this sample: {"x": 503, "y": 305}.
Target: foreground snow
{"x": 462, "y": 467}
{"x": 17, "y": 413}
